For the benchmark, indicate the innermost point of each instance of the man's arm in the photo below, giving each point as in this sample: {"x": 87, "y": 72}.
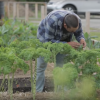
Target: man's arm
{"x": 79, "y": 35}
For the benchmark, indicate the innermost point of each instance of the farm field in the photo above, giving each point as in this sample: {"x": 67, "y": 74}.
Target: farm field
{"x": 77, "y": 79}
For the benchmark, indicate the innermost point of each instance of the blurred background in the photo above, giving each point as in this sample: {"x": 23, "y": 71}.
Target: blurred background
{"x": 35, "y": 10}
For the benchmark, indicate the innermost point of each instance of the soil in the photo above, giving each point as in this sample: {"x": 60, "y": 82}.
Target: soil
{"x": 20, "y": 74}
{"x": 22, "y": 84}
{"x": 28, "y": 96}
{"x": 42, "y": 96}
{"x": 22, "y": 87}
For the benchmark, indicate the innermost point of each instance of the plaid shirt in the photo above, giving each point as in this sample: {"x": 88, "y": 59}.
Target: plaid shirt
{"x": 51, "y": 28}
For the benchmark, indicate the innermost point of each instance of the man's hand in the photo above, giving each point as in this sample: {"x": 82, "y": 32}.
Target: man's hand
{"x": 82, "y": 41}
{"x": 74, "y": 44}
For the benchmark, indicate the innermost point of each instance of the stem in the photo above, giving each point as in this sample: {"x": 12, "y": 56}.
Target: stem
{"x": 62, "y": 94}
{"x": 54, "y": 59}
{"x": 8, "y": 84}
{"x": 32, "y": 78}
{"x": 35, "y": 73}
{"x": 11, "y": 88}
{"x": 2, "y": 82}
{"x": 55, "y": 87}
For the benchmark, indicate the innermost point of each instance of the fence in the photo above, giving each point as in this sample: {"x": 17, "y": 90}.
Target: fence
{"x": 27, "y": 11}
{"x": 33, "y": 11}
{"x": 91, "y": 22}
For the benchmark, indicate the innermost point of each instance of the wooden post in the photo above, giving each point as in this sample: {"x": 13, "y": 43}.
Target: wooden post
{"x": 6, "y": 6}
{"x": 42, "y": 12}
{"x": 36, "y": 10}
{"x": 17, "y": 10}
{"x": 8, "y": 9}
{"x": 88, "y": 22}
{"x": 26, "y": 12}
{"x": 45, "y": 9}
{"x": 14, "y": 10}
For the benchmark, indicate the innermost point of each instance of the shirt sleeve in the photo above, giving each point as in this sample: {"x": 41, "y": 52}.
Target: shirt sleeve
{"x": 50, "y": 30}
{"x": 79, "y": 32}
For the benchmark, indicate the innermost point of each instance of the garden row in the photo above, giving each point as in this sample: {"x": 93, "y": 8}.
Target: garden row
{"x": 19, "y": 44}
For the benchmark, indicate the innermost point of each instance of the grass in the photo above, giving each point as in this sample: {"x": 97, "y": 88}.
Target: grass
{"x": 95, "y": 34}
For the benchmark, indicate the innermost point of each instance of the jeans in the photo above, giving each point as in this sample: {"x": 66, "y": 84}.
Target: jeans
{"x": 41, "y": 66}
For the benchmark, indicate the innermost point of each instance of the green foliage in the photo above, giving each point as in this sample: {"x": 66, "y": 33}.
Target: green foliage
{"x": 28, "y": 54}
{"x": 88, "y": 60}
{"x": 80, "y": 48}
{"x": 12, "y": 30}
{"x": 84, "y": 90}
{"x": 84, "y": 61}
{"x": 45, "y": 53}
{"x": 19, "y": 44}
{"x": 65, "y": 76}
{"x": 90, "y": 43}
{"x": 9, "y": 62}
{"x": 56, "y": 48}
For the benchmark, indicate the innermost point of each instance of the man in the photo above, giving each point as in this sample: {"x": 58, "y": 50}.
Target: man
{"x": 58, "y": 26}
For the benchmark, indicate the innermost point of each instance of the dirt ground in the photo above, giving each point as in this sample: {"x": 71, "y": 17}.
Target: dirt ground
{"x": 28, "y": 95}
{"x": 39, "y": 96}
{"x": 20, "y": 74}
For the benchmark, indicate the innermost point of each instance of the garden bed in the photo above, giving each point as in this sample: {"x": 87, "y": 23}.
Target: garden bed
{"x": 22, "y": 81}
{"x": 44, "y": 96}
{"x": 28, "y": 96}
{"x": 24, "y": 84}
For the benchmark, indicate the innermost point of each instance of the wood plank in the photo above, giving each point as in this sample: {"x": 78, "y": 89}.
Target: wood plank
{"x": 17, "y": 10}
{"x": 26, "y": 2}
{"x": 36, "y": 10}
{"x": 14, "y": 10}
{"x": 6, "y": 6}
{"x": 26, "y": 12}
{"x": 88, "y": 22}
{"x": 45, "y": 9}
{"x": 42, "y": 12}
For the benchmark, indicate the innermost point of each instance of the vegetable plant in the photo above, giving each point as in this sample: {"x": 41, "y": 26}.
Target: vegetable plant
{"x": 32, "y": 53}
{"x": 9, "y": 63}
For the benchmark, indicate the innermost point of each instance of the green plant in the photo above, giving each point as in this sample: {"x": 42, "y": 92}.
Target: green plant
{"x": 91, "y": 44}
{"x": 9, "y": 63}
{"x": 12, "y": 30}
{"x": 56, "y": 48}
{"x": 65, "y": 76}
{"x": 84, "y": 89}
{"x": 31, "y": 53}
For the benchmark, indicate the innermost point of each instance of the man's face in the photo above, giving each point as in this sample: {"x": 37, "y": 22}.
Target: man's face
{"x": 72, "y": 29}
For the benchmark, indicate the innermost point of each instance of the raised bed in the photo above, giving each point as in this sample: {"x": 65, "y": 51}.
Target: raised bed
{"x": 28, "y": 96}
{"x": 24, "y": 84}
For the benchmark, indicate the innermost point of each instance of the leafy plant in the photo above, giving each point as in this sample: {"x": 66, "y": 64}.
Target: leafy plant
{"x": 12, "y": 30}
{"x": 91, "y": 44}
{"x": 84, "y": 89}
{"x": 9, "y": 63}
{"x": 30, "y": 53}
{"x": 65, "y": 76}
{"x": 56, "y": 48}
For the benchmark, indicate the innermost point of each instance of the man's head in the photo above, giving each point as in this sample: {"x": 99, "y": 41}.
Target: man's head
{"x": 71, "y": 23}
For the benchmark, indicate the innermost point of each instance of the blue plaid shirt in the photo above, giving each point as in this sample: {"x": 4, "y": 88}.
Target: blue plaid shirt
{"x": 51, "y": 28}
